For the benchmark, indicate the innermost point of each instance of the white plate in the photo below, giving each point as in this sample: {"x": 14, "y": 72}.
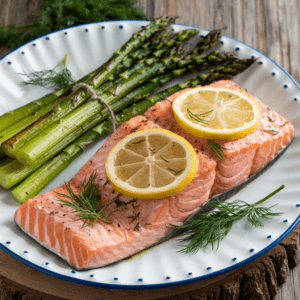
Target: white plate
{"x": 91, "y": 45}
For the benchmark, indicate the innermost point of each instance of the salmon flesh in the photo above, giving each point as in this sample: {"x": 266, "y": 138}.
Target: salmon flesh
{"x": 101, "y": 244}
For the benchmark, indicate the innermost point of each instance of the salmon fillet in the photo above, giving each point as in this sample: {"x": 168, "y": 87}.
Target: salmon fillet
{"x": 58, "y": 229}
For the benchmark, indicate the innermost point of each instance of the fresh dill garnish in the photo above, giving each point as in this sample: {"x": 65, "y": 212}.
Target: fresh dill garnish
{"x": 51, "y": 79}
{"x": 152, "y": 150}
{"x": 148, "y": 223}
{"x": 270, "y": 119}
{"x": 137, "y": 227}
{"x": 138, "y": 142}
{"x": 136, "y": 215}
{"x": 87, "y": 204}
{"x": 196, "y": 116}
{"x": 163, "y": 159}
{"x": 106, "y": 182}
{"x": 176, "y": 172}
{"x": 274, "y": 131}
{"x": 229, "y": 95}
{"x": 217, "y": 149}
{"x": 212, "y": 227}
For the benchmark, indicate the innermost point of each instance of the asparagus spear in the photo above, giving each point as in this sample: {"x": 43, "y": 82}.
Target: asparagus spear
{"x": 33, "y": 184}
{"x": 109, "y": 67}
{"x": 20, "y": 113}
{"x": 176, "y": 40}
{"x": 158, "y": 51}
{"x": 54, "y": 133}
{"x": 14, "y": 172}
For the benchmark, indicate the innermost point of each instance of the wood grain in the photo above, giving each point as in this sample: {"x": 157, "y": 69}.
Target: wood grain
{"x": 272, "y": 27}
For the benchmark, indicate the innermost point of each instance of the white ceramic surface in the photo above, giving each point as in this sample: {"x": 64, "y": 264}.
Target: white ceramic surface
{"x": 91, "y": 45}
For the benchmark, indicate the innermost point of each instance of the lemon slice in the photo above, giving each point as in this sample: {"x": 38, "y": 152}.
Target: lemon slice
{"x": 151, "y": 164}
{"x": 216, "y": 113}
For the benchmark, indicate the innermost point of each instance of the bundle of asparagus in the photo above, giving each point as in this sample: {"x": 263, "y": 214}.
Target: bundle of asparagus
{"x": 67, "y": 123}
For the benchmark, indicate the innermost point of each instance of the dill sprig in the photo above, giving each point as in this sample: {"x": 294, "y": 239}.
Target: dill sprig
{"x": 87, "y": 204}
{"x": 218, "y": 149}
{"x": 138, "y": 142}
{"x": 212, "y": 227}
{"x": 196, "y": 116}
{"x": 51, "y": 79}
{"x": 176, "y": 172}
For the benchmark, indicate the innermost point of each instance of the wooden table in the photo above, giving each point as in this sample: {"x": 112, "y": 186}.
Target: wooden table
{"x": 272, "y": 27}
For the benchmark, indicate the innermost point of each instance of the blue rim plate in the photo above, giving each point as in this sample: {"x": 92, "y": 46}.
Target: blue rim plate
{"x": 89, "y": 46}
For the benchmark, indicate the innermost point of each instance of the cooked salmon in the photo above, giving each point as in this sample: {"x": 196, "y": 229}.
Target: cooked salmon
{"x": 58, "y": 229}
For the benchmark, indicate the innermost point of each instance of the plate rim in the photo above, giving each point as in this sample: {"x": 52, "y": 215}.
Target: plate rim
{"x": 142, "y": 286}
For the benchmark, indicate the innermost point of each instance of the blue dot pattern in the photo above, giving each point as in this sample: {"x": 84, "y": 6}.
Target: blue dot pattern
{"x": 260, "y": 62}
{"x": 295, "y": 99}
{"x": 285, "y": 86}
{"x": 116, "y": 278}
{"x": 285, "y": 221}
{"x": 9, "y": 62}
{"x": 23, "y": 53}
{"x": 25, "y": 251}
{"x": 73, "y": 272}
{"x": 298, "y": 205}
{"x": 92, "y": 275}
{"x": 252, "y": 56}
{"x": 86, "y": 30}
{"x": 208, "y": 268}
{"x": 47, "y": 263}
{"x": 33, "y": 44}
{"x": 7, "y": 243}
{"x": 103, "y": 27}
{"x": 47, "y": 38}
{"x": 190, "y": 273}
{"x": 168, "y": 277}
{"x": 269, "y": 236}
{"x": 121, "y": 26}
{"x": 222, "y": 42}
{"x": 273, "y": 73}
{"x": 140, "y": 279}
{"x": 234, "y": 259}
{"x": 237, "y": 49}
{"x": 251, "y": 250}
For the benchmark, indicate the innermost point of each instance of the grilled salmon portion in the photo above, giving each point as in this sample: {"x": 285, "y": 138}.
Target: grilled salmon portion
{"x": 246, "y": 155}
{"x": 138, "y": 225}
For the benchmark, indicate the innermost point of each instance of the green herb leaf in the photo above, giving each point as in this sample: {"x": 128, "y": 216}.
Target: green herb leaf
{"x": 138, "y": 142}
{"x": 196, "y": 116}
{"x": 163, "y": 159}
{"x": 51, "y": 79}
{"x": 57, "y": 14}
{"x": 217, "y": 149}
{"x": 176, "y": 172}
{"x": 212, "y": 227}
{"x": 87, "y": 204}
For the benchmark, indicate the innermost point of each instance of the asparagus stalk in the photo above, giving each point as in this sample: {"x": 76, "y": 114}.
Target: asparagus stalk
{"x": 109, "y": 67}
{"x": 14, "y": 172}
{"x": 58, "y": 130}
{"x": 33, "y": 184}
{"x": 162, "y": 49}
{"x": 20, "y": 113}
{"x": 157, "y": 52}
